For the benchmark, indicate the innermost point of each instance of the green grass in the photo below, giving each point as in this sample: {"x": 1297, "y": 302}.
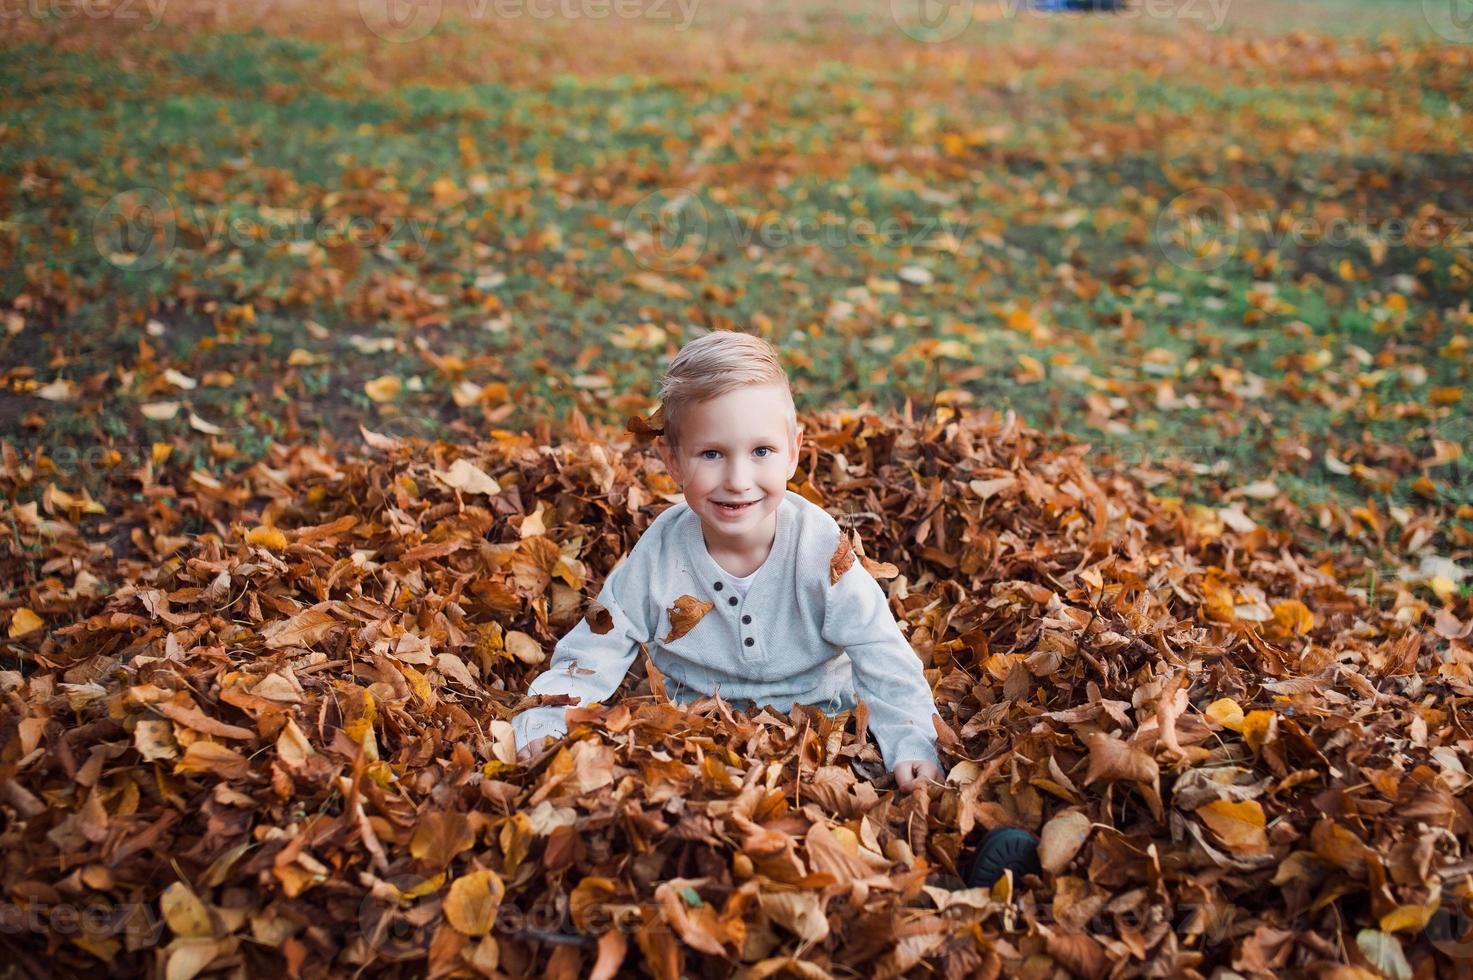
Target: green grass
{"x": 516, "y": 265}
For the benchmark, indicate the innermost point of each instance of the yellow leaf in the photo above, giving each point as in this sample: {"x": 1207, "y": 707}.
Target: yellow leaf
{"x": 384, "y": 388}
{"x": 444, "y": 191}
{"x": 1444, "y": 588}
{"x": 1294, "y": 616}
{"x": 185, "y": 913}
{"x": 418, "y": 684}
{"x": 1031, "y": 370}
{"x": 1218, "y": 600}
{"x": 1227, "y": 713}
{"x": 516, "y": 840}
{"x": 300, "y": 357}
{"x": 1256, "y": 728}
{"x": 159, "y": 411}
{"x": 1240, "y": 826}
{"x": 267, "y": 537}
{"x": 590, "y": 895}
{"x": 1412, "y": 918}
{"x": 428, "y": 886}
{"x": 160, "y": 452}
{"x": 24, "y": 621}
{"x": 471, "y": 903}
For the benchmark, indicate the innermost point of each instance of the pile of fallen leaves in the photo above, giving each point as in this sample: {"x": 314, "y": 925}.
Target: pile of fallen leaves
{"x": 283, "y": 746}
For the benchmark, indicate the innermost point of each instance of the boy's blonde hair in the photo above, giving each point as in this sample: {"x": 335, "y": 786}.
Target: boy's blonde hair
{"x": 715, "y": 364}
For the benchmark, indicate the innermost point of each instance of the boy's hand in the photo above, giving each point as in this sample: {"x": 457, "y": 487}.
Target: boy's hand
{"x": 914, "y": 772}
{"x": 529, "y": 751}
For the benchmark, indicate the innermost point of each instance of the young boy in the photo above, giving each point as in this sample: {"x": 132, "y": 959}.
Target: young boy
{"x": 746, "y": 588}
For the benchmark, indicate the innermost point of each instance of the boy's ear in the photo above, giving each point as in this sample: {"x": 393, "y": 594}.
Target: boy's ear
{"x": 666, "y": 456}
{"x": 797, "y": 448}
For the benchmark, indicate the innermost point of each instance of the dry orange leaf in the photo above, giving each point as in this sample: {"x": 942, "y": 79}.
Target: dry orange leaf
{"x": 842, "y": 559}
{"x": 472, "y": 902}
{"x": 684, "y": 615}
{"x": 1239, "y": 826}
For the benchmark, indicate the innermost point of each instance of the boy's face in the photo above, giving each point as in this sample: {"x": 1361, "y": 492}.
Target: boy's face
{"x": 735, "y": 449}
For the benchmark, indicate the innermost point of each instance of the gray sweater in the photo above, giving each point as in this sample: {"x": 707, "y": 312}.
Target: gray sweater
{"x": 796, "y": 637}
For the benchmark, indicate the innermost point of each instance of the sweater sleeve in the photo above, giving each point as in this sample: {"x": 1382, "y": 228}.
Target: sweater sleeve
{"x": 591, "y": 665}
{"x": 887, "y": 672}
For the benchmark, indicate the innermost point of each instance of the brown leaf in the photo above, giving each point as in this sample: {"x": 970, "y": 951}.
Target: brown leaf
{"x": 684, "y": 615}
{"x": 1062, "y": 838}
{"x": 842, "y": 559}
{"x": 599, "y": 619}
{"x": 798, "y": 912}
{"x": 307, "y": 628}
{"x": 440, "y": 836}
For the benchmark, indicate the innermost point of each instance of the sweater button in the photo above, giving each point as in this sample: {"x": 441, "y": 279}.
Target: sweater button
{"x": 732, "y": 601}
{"x": 746, "y": 619}
{"x": 749, "y": 641}
{"x": 718, "y": 586}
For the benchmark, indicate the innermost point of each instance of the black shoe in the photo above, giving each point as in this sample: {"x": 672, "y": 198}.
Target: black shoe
{"x": 1001, "y": 849}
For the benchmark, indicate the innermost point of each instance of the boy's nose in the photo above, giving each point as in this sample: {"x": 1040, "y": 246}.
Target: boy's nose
{"x": 738, "y": 477}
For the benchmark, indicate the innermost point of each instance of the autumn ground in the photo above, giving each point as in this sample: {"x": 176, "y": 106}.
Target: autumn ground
{"x": 1225, "y": 245}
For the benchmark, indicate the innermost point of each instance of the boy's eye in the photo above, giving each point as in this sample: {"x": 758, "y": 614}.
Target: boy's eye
{"x": 713, "y": 453}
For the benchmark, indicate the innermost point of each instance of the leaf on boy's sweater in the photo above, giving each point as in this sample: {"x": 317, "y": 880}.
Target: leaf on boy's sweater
{"x": 684, "y": 616}
{"x": 598, "y": 618}
{"x": 842, "y": 560}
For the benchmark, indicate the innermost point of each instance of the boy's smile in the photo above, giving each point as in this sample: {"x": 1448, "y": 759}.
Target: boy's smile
{"x": 733, "y": 464}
